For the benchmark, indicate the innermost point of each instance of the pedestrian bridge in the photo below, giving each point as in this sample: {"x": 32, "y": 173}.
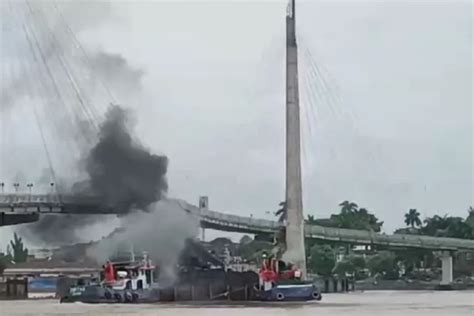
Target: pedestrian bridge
{"x": 32, "y": 205}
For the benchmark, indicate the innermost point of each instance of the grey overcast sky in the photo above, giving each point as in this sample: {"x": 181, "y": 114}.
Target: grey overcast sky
{"x": 399, "y": 134}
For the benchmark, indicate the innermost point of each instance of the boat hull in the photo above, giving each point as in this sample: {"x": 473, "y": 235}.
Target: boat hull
{"x": 100, "y": 294}
{"x": 291, "y": 292}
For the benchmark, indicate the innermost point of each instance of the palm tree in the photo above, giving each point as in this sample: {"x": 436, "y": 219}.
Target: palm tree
{"x": 282, "y": 212}
{"x": 311, "y": 219}
{"x": 470, "y": 217}
{"x": 348, "y": 207}
{"x": 363, "y": 211}
{"x": 412, "y": 218}
{"x": 17, "y": 250}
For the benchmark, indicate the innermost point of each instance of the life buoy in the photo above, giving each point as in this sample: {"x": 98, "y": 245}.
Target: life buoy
{"x": 134, "y": 297}
{"x": 128, "y": 297}
{"x": 107, "y": 294}
{"x": 118, "y": 297}
{"x": 280, "y": 296}
{"x": 317, "y": 295}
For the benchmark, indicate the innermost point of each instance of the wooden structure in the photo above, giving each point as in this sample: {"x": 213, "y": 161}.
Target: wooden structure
{"x": 14, "y": 289}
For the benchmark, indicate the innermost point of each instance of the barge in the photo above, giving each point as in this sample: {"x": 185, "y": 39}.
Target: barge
{"x": 134, "y": 282}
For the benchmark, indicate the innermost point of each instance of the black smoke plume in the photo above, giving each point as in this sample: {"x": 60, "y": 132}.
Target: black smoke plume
{"x": 122, "y": 174}
{"x": 121, "y": 171}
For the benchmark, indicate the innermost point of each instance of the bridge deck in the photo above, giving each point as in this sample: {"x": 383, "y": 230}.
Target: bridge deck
{"x": 26, "y": 203}
{"x": 362, "y": 237}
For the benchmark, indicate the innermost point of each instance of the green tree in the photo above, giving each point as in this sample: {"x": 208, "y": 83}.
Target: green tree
{"x": 412, "y": 259}
{"x": 350, "y": 265}
{"x": 322, "y": 259}
{"x": 459, "y": 229}
{"x": 447, "y": 226}
{"x": 348, "y": 207}
{"x": 4, "y": 261}
{"x": 384, "y": 264}
{"x": 354, "y": 218}
{"x": 245, "y": 240}
{"x": 18, "y": 251}
{"x": 434, "y": 225}
{"x": 350, "y": 217}
{"x": 412, "y": 218}
{"x": 282, "y": 212}
{"x": 310, "y": 220}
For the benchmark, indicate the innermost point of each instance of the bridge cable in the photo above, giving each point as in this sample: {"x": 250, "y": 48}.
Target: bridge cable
{"x": 43, "y": 83}
{"x": 60, "y": 57}
{"x": 35, "y": 110}
{"x": 33, "y": 42}
{"x": 59, "y": 54}
{"x": 49, "y": 72}
{"x": 86, "y": 55}
{"x": 3, "y": 116}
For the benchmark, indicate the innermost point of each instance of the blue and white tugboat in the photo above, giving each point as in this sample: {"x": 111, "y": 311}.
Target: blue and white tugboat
{"x": 285, "y": 284}
{"x": 123, "y": 282}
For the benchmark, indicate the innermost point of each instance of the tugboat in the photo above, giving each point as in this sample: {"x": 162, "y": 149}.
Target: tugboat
{"x": 278, "y": 283}
{"x": 124, "y": 282}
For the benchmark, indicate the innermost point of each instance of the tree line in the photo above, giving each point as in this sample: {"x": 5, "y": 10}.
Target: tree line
{"x": 16, "y": 253}
{"x": 322, "y": 257}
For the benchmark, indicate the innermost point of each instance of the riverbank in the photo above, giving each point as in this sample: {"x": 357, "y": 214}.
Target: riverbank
{"x": 411, "y": 285}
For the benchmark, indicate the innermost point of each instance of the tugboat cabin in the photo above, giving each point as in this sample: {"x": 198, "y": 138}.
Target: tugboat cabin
{"x": 128, "y": 275}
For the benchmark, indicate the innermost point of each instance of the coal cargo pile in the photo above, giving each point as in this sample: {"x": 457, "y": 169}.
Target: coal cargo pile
{"x": 210, "y": 285}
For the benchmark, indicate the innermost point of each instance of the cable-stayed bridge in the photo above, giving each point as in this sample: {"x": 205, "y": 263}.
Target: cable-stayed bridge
{"x": 49, "y": 66}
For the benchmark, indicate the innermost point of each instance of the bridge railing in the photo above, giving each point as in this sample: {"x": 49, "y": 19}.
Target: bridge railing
{"x": 29, "y": 198}
{"x": 346, "y": 235}
{"x": 47, "y": 198}
{"x": 399, "y": 240}
{"x": 234, "y": 220}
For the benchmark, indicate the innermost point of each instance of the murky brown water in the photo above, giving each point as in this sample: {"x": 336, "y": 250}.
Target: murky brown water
{"x": 355, "y": 304}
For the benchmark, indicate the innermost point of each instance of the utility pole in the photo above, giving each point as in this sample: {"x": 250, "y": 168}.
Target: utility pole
{"x": 295, "y": 250}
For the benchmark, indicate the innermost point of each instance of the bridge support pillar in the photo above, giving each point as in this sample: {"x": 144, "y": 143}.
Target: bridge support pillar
{"x": 446, "y": 268}
{"x": 203, "y": 234}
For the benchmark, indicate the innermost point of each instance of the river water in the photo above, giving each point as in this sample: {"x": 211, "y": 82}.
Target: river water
{"x": 374, "y": 303}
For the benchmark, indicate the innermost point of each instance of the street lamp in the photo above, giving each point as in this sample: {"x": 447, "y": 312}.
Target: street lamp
{"x": 2, "y": 185}
{"x": 16, "y": 186}
{"x": 52, "y": 187}
{"x": 30, "y": 187}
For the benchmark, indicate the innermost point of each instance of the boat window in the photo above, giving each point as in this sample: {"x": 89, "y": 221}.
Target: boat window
{"x": 128, "y": 286}
{"x": 139, "y": 284}
{"x": 148, "y": 276}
